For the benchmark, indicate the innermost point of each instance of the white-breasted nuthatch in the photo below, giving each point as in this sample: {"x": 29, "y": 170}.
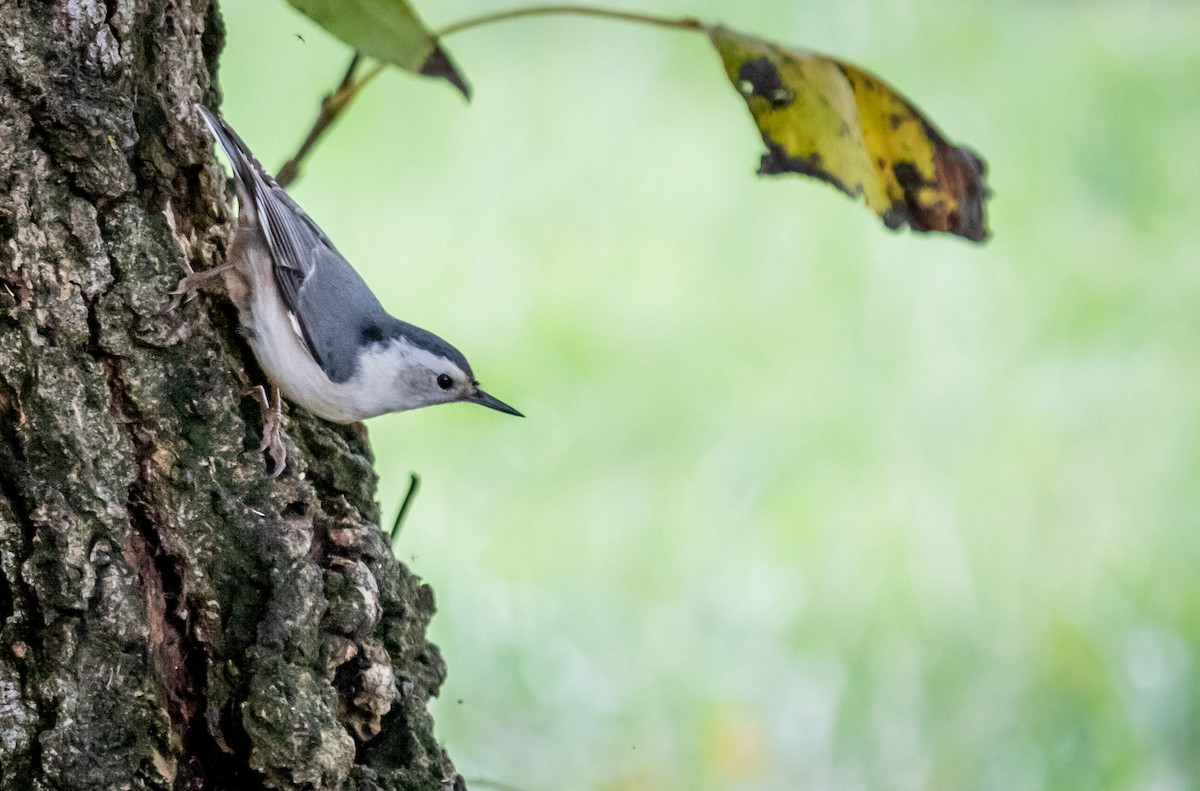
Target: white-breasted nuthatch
{"x": 316, "y": 328}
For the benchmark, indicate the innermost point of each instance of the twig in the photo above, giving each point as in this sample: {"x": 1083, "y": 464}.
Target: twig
{"x": 331, "y": 107}
{"x": 414, "y": 484}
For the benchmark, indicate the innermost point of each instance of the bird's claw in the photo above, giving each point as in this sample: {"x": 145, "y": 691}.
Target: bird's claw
{"x": 186, "y": 290}
{"x": 273, "y": 434}
{"x": 272, "y": 442}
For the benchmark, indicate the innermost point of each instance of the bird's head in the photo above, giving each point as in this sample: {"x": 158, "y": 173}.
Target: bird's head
{"x": 430, "y": 371}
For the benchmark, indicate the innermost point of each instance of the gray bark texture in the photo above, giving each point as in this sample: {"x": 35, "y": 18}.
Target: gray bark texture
{"x": 171, "y": 617}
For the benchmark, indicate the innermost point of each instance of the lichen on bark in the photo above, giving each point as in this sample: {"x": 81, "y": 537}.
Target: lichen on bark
{"x": 170, "y": 616}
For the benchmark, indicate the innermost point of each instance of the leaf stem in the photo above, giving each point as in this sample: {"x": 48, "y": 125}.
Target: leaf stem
{"x": 678, "y": 23}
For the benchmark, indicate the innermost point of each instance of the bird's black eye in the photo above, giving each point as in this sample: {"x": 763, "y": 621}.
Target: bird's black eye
{"x": 444, "y": 381}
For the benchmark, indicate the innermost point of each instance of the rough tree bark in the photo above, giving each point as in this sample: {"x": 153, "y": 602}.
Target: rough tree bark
{"x": 170, "y": 616}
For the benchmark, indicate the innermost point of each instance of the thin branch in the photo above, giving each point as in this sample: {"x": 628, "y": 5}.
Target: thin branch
{"x": 414, "y": 484}
{"x": 331, "y": 107}
{"x": 679, "y": 23}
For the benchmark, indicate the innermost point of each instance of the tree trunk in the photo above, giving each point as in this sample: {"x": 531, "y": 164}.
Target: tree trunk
{"x": 170, "y": 616}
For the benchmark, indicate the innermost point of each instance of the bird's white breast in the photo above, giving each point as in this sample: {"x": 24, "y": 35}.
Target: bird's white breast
{"x": 275, "y": 336}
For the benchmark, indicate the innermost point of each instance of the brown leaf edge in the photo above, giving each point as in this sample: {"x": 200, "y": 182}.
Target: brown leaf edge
{"x": 438, "y": 64}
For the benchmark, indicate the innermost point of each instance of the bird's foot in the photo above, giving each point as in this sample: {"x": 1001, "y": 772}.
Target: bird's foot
{"x": 273, "y": 434}
{"x": 193, "y": 282}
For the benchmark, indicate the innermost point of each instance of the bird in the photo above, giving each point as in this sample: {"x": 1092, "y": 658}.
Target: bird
{"x": 317, "y": 330}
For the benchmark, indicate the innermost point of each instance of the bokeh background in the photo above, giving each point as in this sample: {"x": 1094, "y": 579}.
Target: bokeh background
{"x": 800, "y": 503}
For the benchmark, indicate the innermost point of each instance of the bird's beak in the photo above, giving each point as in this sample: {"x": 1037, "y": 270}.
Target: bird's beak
{"x": 491, "y": 402}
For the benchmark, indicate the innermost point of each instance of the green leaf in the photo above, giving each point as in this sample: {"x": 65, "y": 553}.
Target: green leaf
{"x": 387, "y": 30}
{"x": 831, "y": 120}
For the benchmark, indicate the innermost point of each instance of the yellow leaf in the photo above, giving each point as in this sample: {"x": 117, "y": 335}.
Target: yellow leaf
{"x": 833, "y": 121}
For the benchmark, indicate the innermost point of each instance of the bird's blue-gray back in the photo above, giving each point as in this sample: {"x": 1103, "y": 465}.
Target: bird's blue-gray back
{"x": 316, "y": 283}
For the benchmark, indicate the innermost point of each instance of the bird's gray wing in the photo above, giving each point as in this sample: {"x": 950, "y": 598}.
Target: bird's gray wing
{"x": 327, "y": 297}
{"x": 337, "y": 312}
{"x": 333, "y": 307}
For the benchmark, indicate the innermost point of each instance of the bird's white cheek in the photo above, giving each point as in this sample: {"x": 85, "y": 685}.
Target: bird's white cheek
{"x": 380, "y": 388}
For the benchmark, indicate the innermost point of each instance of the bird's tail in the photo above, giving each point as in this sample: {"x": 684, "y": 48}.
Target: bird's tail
{"x": 248, "y": 172}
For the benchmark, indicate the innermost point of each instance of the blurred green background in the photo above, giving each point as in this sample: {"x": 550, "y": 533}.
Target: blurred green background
{"x": 799, "y": 503}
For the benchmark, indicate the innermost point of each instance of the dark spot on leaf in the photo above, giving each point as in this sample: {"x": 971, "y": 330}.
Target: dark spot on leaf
{"x": 895, "y": 119}
{"x": 777, "y": 161}
{"x": 908, "y": 210}
{"x": 759, "y": 77}
{"x": 908, "y": 176}
{"x": 438, "y": 64}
